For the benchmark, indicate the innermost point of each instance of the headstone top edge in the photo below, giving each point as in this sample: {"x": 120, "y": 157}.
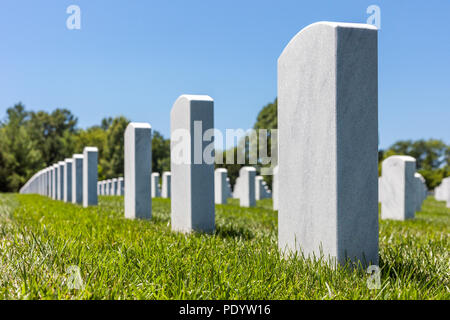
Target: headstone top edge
{"x": 90, "y": 149}
{"x": 193, "y": 97}
{"x": 331, "y": 24}
{"x": 402, "y": 158}
{"x": 139, "y": 125}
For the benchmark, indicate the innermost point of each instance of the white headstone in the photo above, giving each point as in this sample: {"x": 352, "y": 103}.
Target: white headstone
{"x": 55, "y": 182}
{"x": 120, "y": 186}
{"x": 90, "y": 176}
{"x": 155, "y": 185}
{"x": 399, "y": 188}
{"x": 115, "y": 187}
{"x": 50, "y": 171}
{"x": 446, "y": 191}
{"x": 138, "y": 168}
{"x": 328, "y": 143}
{"x": 192, "y": 176}
{"x": 247, "y": 177}
{"x": 77, "y": 179}
{"x": 220, "y": 186}
{"x": 68, "y": 180}
{"x": 166, "y": 184}
{"x": 61, "y": 165}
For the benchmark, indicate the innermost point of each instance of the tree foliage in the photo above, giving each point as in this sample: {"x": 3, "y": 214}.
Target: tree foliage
{"x": 30, "y": 141}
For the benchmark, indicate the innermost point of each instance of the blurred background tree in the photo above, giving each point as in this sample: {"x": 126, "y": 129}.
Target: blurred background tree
{"x": 30, "y": 141}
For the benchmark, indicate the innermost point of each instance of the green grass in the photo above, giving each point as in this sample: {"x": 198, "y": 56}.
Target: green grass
{"x": 125, "y": 259}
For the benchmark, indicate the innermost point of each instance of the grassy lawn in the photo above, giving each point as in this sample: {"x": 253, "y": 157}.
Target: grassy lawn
{"x": 123, "y": 259}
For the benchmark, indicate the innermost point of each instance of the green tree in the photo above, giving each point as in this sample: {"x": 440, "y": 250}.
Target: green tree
{"x": 160, "y": 153}
{"x": 54, "y": 134}
{"x": 112, "y": 159}
{"x": 20, "y": 157}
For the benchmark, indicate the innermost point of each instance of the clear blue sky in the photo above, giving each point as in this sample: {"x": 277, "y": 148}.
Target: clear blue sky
{"x": 134, "y": 58}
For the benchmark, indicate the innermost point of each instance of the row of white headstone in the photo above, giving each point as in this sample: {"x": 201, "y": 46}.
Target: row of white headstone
{"x": 116, "y": 186}
{"x": 402, "y": 190}
{"x": 442, "y": 192}
{"x": 326, "y": 190}
{"x": 249, "y": 187}
{"x": 111, "y": 187}
{"x": 73, "y": 180}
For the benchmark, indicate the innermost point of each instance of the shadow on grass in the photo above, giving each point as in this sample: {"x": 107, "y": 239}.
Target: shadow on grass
{"x": 230, "y": 231}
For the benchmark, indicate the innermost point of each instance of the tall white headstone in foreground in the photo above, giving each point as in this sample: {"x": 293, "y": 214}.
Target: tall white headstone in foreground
{"x": 398, "y": 188}
{"x": 166, "y": 184}
{"x": 77, "y": 179}
{"x": 328, "y": 143}
{"x": 155, "y": 185}
{"x": 192, "y": 172}
{"x": 247, "y": 177}
{"x": 68, "y": 180}
{"x": 90, "y": 176}
{"x": 221, "y": 186}
{"x": 138, "y": 168}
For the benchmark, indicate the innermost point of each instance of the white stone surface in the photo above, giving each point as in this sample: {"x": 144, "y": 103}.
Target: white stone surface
{"x": 109, "y": 187}
{"x": 90, "y": 176}
{"x": 192, "y": 179}
{"x": 120, "y": 189}
{"x": 155, "y": 185}
{"x": 220, "y": 186}
{"x": 60, "y": 184}
{"x": 399, "y": 188}
{"x": 50, "y": 171}
{"x": 328, "y": 143}
{"x": 229, "y": 193}
{"x": 166, "y": 184}
{"x": 259, "y": 188}
{"x": 420, "y": 190}
{"x": 68, "y": 180}
{"x": 77, "y": 179}
{"x": 55, "y": 182}
{"x": 275, "y": 188}
{"x": 138, "y": 168}
{"x": 115, "y": 187}
{"x": 247, "y": 177}
{"x": 236, "y": 189}
{"x": 446, "y": 191}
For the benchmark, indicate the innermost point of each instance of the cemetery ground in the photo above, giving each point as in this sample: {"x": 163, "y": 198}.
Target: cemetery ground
{"x": 135, "y": 259}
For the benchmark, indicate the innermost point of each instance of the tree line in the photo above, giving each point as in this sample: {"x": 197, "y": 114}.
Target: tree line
{"x": 30, "y": 141}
